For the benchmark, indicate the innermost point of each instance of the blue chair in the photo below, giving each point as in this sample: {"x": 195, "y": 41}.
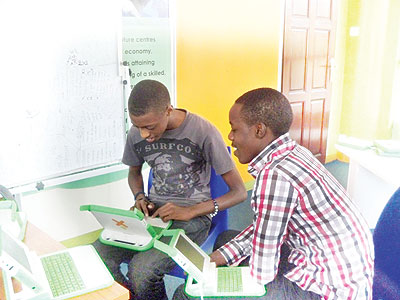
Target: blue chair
{"x": 386, "y": 235}
{"x": 219, "y": 223}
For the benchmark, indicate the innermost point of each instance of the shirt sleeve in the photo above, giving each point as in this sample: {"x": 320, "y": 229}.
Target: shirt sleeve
{"x": 238, "y": 248}
{"x": 130, "y": 156}
{"x": 273, "y": 201}
{"x": 216, "y": 151}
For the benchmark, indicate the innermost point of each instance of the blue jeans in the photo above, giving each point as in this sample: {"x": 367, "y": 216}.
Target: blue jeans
{"x": 146, "y": 269}
{"x": 279, "y": 289}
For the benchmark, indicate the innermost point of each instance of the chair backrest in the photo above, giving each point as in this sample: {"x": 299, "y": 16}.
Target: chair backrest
{"x": 219, "y": 223}
{"x": 387, "y": 251}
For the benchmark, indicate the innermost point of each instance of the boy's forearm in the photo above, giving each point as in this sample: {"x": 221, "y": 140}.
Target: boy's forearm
{"x": 135, "y": 181}
{"x": 230, "y": 199}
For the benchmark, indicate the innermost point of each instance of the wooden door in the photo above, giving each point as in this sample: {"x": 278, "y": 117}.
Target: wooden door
{"x": 308, "y": 51}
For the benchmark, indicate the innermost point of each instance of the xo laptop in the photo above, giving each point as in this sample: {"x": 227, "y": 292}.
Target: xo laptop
{"x": 127, "y": 228}
{"x": 204, "y": 278}
{"x": 59, "y": 275}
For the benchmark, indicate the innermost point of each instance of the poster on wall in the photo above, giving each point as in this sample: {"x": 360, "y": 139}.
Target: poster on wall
{"x": 147, "y": 42}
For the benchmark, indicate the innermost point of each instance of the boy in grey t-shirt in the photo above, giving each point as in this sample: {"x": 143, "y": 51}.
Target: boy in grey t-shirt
{"x": 181, "y": 160}
{"x": 181, "y": 148}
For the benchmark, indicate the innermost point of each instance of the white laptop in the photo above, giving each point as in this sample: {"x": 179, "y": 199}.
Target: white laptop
{"x": 204, "y": 278}
{"x": 84, "y": 272}
{"x": 127, "y": 228}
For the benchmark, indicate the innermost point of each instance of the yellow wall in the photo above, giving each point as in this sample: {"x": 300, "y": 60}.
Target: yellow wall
{"x": 363, "y": 76}
{"x": 225, "y": 48}
{"x": 337, "y": 80}
{"x": 369, "y": 67}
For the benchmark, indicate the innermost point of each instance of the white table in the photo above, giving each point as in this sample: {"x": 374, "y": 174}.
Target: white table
{"x": 372, "y": 180}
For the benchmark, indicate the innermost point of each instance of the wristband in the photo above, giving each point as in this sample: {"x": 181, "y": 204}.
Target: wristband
{"x": 216, "y": 208}
{"x": 139, "y": 193}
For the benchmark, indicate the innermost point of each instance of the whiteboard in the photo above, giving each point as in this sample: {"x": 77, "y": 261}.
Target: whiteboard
{"x": 61, "y": 100}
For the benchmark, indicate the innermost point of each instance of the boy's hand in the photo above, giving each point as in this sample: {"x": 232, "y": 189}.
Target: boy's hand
{"x": 145, "y": 206}
{"x": 171, "y": 211}
{"x": 218, "y": 258}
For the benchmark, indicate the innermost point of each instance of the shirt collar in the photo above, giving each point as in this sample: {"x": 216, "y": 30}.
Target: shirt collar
{"x": 266, "y": 156}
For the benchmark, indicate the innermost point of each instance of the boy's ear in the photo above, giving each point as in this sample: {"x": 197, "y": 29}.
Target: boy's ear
{"x": 261, "y": 130}
{"x": 169, "y": 109}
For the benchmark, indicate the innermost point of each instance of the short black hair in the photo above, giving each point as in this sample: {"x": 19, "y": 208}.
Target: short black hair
{"x": 267, "y": 106}
{"x": 148, "y": 96}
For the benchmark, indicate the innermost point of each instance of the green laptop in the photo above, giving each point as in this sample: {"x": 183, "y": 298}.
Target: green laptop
{"x": 127, "y": 228}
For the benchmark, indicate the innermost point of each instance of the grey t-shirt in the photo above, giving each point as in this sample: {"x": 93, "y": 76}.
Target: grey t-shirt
{"x": 181, "y": 160}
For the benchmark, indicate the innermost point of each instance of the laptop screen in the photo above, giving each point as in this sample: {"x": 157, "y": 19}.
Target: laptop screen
{"x": 14, "y": 249}
{"x": 190, "y": 252}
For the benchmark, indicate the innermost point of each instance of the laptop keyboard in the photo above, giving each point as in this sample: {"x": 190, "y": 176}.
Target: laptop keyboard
{"x": 229, "y": 279}
{"x": 61, "y": 273}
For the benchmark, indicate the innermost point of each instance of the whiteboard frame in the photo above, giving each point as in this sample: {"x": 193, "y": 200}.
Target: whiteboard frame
{"x": 52, "y": 182}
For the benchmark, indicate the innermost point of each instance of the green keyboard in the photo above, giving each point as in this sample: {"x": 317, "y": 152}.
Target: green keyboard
{"x": 229, "y": 279}
{"x": 61, "y": 273}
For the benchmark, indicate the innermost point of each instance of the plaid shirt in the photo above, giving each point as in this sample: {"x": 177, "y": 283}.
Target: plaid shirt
{"x": 297, "y": 201}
